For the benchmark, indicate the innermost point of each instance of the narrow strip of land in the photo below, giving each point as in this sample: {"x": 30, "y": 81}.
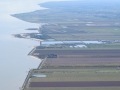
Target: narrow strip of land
{"x": 76, "y": 84}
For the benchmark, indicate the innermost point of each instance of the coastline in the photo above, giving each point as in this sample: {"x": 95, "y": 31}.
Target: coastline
{"x": 96, "y": 60}
{"x": 13, "y": 50}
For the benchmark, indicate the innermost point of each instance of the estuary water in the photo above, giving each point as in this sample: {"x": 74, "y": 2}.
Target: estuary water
{"x": 14, "y": 62}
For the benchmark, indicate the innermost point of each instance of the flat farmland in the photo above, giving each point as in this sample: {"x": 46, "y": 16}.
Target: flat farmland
{"x": 77, "y": 30}
{"x": 63, "y": 51}
{"x": 74, "y": 88}
{"x": 105, "y": 57}
{"x": 82, "y": 69}
{"x": 76, "y": 62}
{"x": 76, "y": 75}
{"x": 76, "y": 79}
{"x": 70, "y": 66}
{"x": 75, "y": 84}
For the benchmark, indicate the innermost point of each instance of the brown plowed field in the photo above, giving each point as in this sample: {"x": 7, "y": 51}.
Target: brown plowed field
{"x": 82, "y": 57}
{"x": 75, "y": 84}
{"x": 74, "y": 61}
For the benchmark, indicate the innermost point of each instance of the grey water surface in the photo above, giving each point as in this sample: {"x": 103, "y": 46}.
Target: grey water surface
{"x": 14, "y": 62}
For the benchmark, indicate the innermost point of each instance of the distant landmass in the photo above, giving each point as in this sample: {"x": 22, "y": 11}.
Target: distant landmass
{"x": 70, "y": 10}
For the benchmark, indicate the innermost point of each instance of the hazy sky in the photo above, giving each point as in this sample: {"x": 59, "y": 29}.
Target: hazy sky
{"x": 19, "y": 6}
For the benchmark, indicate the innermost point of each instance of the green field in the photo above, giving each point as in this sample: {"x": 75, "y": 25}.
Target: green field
{"x": 69, "y": 75}
{"x": 93, "y": 74}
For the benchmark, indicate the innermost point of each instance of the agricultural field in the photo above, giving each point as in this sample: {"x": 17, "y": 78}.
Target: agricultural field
{"x": 81, "y": 88}
{"x": 65, "y": 67}
{"x": 82, "y": 31}
{"x": 73, "y": 58}
{"x": 80, "y": 21}
{"x": 80, "y": 62}
{"x": 77, "y": 69}
{"x": 81, "y": 74}
{"x": 92, "y": 78}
